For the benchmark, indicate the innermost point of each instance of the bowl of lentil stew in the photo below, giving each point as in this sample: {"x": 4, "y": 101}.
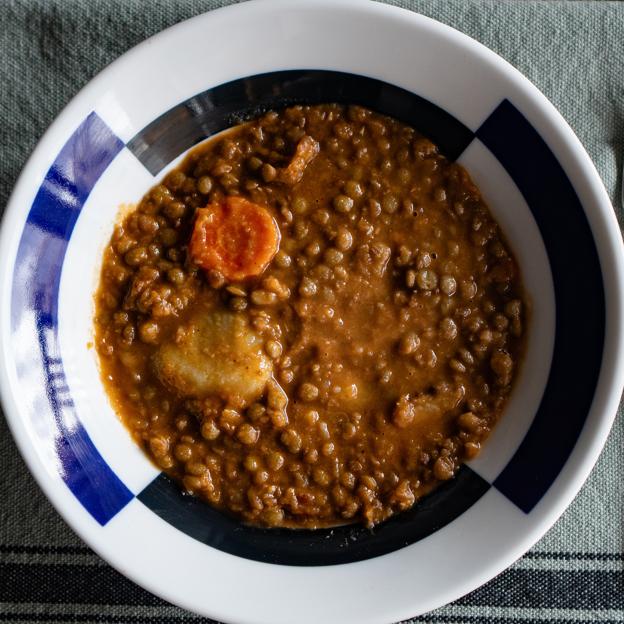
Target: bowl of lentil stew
{"x": 313, "y": 320}
{"x": 360, "y": 309}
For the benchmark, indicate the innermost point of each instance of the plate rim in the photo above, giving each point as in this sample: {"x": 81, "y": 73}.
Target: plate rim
{"x": 609, "y": 245}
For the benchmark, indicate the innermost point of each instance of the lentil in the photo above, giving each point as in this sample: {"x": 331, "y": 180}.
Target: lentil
{"x": 343, "y": 203}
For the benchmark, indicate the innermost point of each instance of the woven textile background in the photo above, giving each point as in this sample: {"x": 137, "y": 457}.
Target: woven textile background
{"x": 572, "y": 50}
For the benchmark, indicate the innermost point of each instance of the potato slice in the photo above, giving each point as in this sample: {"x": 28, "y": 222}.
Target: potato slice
{"x": 215, "y": 353}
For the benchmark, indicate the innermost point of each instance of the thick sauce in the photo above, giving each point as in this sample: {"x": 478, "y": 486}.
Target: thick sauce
{"x": 333, "y": 352}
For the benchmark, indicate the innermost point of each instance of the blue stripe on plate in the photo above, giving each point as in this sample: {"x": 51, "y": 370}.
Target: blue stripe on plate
{"x": 580, "y": 305}
{"x": 51, "y": 220}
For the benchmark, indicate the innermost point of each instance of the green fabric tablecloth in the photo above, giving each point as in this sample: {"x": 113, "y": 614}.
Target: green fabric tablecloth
{"x": 573, "y": 51}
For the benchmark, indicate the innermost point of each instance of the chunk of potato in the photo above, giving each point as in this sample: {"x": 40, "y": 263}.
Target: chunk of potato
{"x": 426, "y": 406}
{"x": 215, "y": 353}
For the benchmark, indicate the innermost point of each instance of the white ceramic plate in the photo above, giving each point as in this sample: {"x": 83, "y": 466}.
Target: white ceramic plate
{"x": 133, "y": 122}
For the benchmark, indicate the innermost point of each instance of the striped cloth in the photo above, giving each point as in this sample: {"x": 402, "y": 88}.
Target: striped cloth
{"x": 571, "y": 50}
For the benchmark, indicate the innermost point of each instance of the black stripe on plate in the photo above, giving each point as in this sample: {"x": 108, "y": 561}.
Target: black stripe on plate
{"x": 226, "y": 105}
{"x": 344, "y": 544}
{"x": 528, "y": 589}
{"x": 580, "y": 304}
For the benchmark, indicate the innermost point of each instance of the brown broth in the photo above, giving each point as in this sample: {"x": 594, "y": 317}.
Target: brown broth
{"x": 367, "y": 362}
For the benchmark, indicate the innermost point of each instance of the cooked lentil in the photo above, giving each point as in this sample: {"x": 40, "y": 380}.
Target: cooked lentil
{"x": 369, "y": 350}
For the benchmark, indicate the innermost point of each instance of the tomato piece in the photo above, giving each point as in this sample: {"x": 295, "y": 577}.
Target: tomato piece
{"x": 235, "y": 237}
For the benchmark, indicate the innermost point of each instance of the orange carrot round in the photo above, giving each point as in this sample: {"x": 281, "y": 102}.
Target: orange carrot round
{"x": 235, "y": 237}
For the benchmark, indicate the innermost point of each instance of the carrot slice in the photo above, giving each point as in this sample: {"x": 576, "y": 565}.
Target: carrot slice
{"x": 235, "y": 237}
